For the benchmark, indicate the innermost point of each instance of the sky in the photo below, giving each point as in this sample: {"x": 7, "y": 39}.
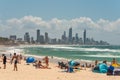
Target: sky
{"x": 100, "y": 18}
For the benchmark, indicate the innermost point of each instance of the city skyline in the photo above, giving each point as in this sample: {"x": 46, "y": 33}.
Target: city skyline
{"x": 101, "y": 18}
{"x": 68, "y": 40}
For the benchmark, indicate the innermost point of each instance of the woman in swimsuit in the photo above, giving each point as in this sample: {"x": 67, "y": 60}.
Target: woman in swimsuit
{"x": 15, "y": 58}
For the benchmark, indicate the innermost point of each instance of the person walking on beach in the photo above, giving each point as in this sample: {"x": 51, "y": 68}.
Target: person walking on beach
{"x": 15, "y": 58}
{"x": 4, "y": 61}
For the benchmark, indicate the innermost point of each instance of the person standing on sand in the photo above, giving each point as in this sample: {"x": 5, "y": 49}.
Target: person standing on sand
{"x": 4, "y": 61}
{"x": 15, "y": 58}
{"x": 46, "y": 60}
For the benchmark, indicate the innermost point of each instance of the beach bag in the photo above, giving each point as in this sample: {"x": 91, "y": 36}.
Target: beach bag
{"x": 110, "y": 70}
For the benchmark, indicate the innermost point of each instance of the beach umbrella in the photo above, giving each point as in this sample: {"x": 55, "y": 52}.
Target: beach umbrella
{"x": 71, "y": 63}
{"x": 30, "y": 60}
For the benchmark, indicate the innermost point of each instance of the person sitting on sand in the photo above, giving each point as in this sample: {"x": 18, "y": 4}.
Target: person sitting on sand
{"x": 40, "y": 65}
{"x": 114, "y": 61}
{"x": 96, "y": 66}
{"x": 96, "y": 62}
{"x": 46, "y": 60}
{"x": 105, "y": 62}
{"x": 15, "y": 58}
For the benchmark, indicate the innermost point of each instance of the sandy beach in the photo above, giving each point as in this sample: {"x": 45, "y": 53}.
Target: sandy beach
{"x": 29, "y": 72}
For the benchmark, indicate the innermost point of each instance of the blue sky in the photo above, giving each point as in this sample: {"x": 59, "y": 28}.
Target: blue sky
{"x": 47, "y": 9}
{"x": 99, "y": 17}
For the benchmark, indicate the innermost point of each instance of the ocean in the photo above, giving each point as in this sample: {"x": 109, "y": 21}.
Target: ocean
{"x": 76, "y": 52}
{"x": 69, "y": 52}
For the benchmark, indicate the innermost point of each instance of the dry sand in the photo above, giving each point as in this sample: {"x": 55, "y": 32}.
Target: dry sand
{"x": 29, "y": 72}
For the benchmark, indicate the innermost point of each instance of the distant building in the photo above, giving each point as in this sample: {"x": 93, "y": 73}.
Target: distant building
{"x": 27, "y": 37}
{"x": 80, "y": 41}
{"x": 42, "y": 39}
{"x": 84, "y": 37}
{"x": 13, "y": 37}
{"x": 64, "y": 38}
{"x": 32, "y": 40}
{"x": 19, "y": 39}
{"x": 46, "y": 37}
{"x": 76, "y": 38}
{"x": 70, "y": 35}
{"x": 38, "y": 36}
{"x": 53, "y": 41}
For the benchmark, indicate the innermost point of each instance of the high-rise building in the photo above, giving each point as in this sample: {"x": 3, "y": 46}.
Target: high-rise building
{"x": 32, "y": 40}
{"x": 84, "y": 37}
{"x": 27, "y": 37}
{"x": 70, "y": 35}
{"x": 41, "y": 39}
{"x": 76, "y": 38}
{"x": 64, "y": 38}
{"x": 65, "y": 34}
{"x": 46, "y": 37}
{"x": 38, "y": 36}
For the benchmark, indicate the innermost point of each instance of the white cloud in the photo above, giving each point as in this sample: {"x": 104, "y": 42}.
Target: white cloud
{"x": 57, "y": 26}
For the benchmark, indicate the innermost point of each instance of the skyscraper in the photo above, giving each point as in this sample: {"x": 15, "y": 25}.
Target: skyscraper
{"x": 41, "y": 39}
{"x": 64, "y": 38}
{"x": 70, "y": 35}
{"x": 84, "y": 37}
{"x": 38, "y": 36}
{"x": 27, "y": 37}
{"x": 65, "y": 34}
{"x": 76, "y": 38}
{"x": 46, "y": 37}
